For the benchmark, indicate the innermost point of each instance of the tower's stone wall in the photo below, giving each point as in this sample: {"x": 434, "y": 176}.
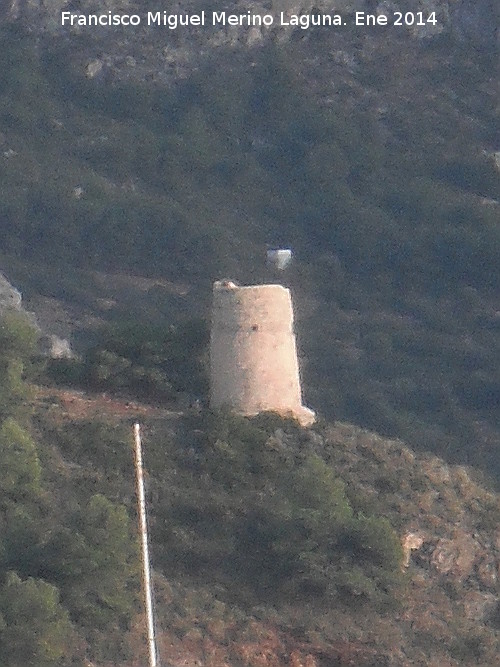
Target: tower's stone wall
{"x": 253, "y": 356}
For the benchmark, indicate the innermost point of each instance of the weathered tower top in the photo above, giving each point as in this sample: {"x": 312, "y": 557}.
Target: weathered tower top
{"x": 253, "y": 356}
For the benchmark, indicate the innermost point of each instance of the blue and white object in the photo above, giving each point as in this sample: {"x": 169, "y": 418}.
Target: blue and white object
{"x": 279, "y": 258}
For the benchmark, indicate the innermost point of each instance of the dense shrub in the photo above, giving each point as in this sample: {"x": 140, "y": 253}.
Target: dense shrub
{"x": 35, "y": 630}
{"x": 65, "y": 570}
{"x": 275, "y": 518}
{"x": 155, "y": 362}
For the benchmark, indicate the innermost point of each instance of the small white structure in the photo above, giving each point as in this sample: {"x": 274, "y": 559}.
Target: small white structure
{"x": 279, "y": 258}
{"x": 253, "y": 357}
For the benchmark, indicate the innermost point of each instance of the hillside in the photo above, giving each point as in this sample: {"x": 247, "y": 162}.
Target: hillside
{"x": 382, "y": 179}
{"x": 272, "y": 545}
{"x": 137, "y": 166}
{"x": 255, "y": 564}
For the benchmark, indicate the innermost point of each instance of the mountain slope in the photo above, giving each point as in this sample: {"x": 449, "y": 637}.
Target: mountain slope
{"x": 227, "y": 590}
{"x": 382, "y": 178}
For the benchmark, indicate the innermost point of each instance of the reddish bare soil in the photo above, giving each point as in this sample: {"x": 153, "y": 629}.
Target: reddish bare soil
{"x": 70, "y": 404}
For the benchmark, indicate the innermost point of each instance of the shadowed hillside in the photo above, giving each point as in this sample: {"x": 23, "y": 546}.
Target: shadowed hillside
{"x": 136, "y": 170}
{"x": 383, "y": 180}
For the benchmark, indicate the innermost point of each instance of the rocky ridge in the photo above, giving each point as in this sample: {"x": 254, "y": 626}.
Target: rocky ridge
{"x": 157, "y": 53}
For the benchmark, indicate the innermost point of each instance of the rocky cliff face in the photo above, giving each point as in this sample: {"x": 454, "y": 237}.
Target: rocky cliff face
{"x": 146, "y": 53}
{"x": 474, "y": 19}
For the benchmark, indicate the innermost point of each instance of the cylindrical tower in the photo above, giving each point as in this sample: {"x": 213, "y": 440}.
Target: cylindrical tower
{"x": 253, "y": 357}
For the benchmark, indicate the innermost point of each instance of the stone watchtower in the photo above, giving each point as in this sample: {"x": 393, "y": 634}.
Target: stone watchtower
{"x": 253, "y": 357}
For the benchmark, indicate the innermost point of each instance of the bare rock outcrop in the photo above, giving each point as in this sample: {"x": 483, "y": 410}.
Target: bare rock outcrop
{"x": 50, "y": 344}
{"x": 456, "y": 555}
{"x": 10, "y": 297}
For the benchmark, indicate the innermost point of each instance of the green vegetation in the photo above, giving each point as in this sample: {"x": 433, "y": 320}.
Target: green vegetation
{"x": 34, "y": 628}
{"x": 241, "y": 506}
{"x": 248, "y": 506}
{"x": 17, "y": 344}
{"x": 238, "y": 505}
{"x": 152, "y": 362}
{"x": 65, "y": 568}
{"x": 190, "y": 153}
{"x": 253, "y": 521}
{"x": 392, "y": 216}
{"x": 391, "y": 213}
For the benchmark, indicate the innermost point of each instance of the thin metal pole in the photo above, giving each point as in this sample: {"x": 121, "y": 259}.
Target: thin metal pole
{"x": 146, "y": 565}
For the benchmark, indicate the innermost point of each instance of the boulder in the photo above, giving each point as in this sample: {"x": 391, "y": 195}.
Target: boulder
{"x": 456, "y": 556}
{"x": 480, "y": 606}
{"x": 10, "y": 297}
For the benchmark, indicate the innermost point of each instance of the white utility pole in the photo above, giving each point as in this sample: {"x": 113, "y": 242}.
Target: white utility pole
{"x": 146, "y": 565}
